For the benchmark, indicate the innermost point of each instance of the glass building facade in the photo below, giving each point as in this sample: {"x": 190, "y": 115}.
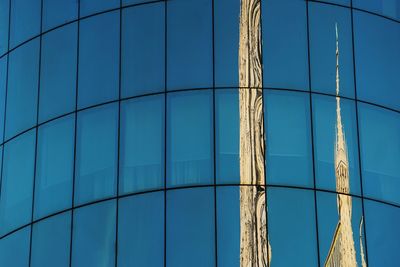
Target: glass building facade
{"x": 202, "y": 133}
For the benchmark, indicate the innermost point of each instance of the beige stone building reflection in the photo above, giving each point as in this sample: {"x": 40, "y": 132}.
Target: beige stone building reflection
{"x": 254, "y": 247}
{"x": 342, "y": 250}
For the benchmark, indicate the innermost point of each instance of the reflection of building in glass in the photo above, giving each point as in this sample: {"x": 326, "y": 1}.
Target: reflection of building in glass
{"x": 254, "y": 247}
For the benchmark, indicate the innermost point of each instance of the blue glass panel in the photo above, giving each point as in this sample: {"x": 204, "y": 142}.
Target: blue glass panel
{"x": 291, "y": 224}
{"x": 288, "y": 138}
{"x": 51, "y": 241}
{"x": 380, "y": 152}
{"x": 227, "y": 136}
{"x": 285, "y": 51}
{"x": 3, "y": 84}
{"x": 14, "y": 249}
{"x": 325, "y": 122}
{"x": 389, "y": 8}
{"x": 25, "y": 20}
{"x": 190, "y": 138}
{"x": 383, "y": 234}
{"x": 340, "y": 2}
{"x": 190, "y": 227}
{"x": 58, "y": 72}
{"x": 141, "y": 230}
{"x": 323, "y": 19}
{"x": 4, "y": 12}
{"x": 227, "y": 14}
{"x": 93, "y": 239}
{"x": 377, "y": 42}
{"x": 88, "y": 7}
{"x": 142, "y": 144}
{"x": 22, "y": 88}
{"x": 98, "y": 59}
{"x": 143, "y": 45}
{"x": 189, "y": 44}
{"x": 133, "y": 2}
{"x": 54, "y": 166}
{"x": 347, "y": 234}
{"x": 17, "y": 182}
{"x": 96, "y": 153}
{"x": 57, "y": 12}
{"x": 228, "y": 226}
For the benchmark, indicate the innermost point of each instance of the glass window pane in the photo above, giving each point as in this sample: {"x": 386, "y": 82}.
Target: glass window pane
{"x": 51, "y": 241}
{"x": 389, "y": 8}
{"x": 325, "y": 121}
{"x": 54, "y": 166}
{"x": 58, "y": 72}
{"x": 141, "y": 230}
{"x": 133, "y": 2}
{"x": 340, "y": 2}
{"x": 142, "y": 144}
{"x": 143, "y": 68}
{"x": 22, "y": 88}
{"x": 189, "y": 29}
{"x": 88, "y": 7}
{"x": 96, "y": 154}
{"x": 383, "y": 234}
{"x": 285, "y": 47}
{"x": 57, "y": 12}
{"x": 4, "y": 12}
{"x": 288, "y": 138}
{"x": 227, "y": 136}
{"x": 14, "y": 249}
{"x": 380, "y": 152}
{"x": 190, "y": 227}
{"x": 340, "y": 227}
{"x": 98, "y": 59}
{"x": 3, "y": 84}
{"x": 17, "y": 182}
{"x": 190, "y": 138}
{"x": 377, "y": 42}
{"x": 323, "y": 19}
{"x": 291, "y": 224}
{"x": 93, "y": 239}
{"x": 25, "y": 20}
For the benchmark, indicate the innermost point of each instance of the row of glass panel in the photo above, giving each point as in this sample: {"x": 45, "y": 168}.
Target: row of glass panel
{"x": 182, "y": 149}
{"x": 144, "y": 70}
{"x": 190, "y": 231}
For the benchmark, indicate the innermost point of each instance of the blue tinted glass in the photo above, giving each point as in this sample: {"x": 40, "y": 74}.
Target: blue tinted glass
{"x": 380, "y": 152}
{"x": 54, "y": 166}
{"x": 288, "y": 138}
{"x": 57, "y": 12}
{"x": 51, "y": 241}
{"x": 285, "y": 47}
{"x": 190, "y": 227}
{"x": 4, "y": 12}
{"x": 25, "y": 20}
{"x": 323, "y": 19}
{"x": 377, "y": 42}
{"x": 190, "y": 138}
{"x": 22, "y": 88}
{"x": 98, "y": 59}
{"x": 325, "y": 124}
{"x": 88, "y": 7}
{"x": 96, "y": 153}
{"x": 227, "y": 136}
{"x": 141, "y": 230}
{"x": 143, "y": 55}
{"x": 14, "y": 249}
{"x": 340, "y": 2}
{"x": 390, "y": 8}
{"x": 17, "y": 182}
{"x": 291, "y": 224}
{"x": 383, "y": 234}
{"x": 142, "y": 144}
{"x": 3, "y": 84}
{"x": 189, "y": 44}
{"x": 228, "y": 219}
{"x": 58, "y": 72}
{"x": 132, "y": 2}
{"x": 340, "y": 226}
{"x": 93, "y": 240}
{"x": 227, "y": 13}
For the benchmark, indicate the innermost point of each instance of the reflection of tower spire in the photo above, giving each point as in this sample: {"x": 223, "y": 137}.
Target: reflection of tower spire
{"x": 363, "y": 263}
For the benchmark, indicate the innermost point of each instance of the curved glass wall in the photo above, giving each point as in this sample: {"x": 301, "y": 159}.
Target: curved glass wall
{"x": 199, "y": 133}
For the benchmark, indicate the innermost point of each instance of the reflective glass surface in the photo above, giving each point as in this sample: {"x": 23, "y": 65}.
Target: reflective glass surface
{"x": 3, "y": 86}
{"x": 14, "y": 249}
{"x": 88, "y": 7}
{"x": 389, "y": 8}
{"x": 4, "y": 19}
{"x": 57, "y": 12}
